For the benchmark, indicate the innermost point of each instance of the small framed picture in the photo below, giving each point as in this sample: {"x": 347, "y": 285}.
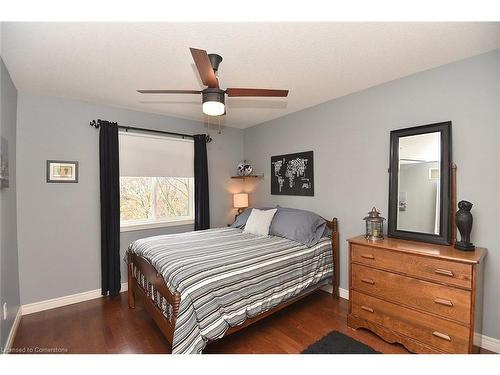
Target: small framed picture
{"x": 62, "y": 171}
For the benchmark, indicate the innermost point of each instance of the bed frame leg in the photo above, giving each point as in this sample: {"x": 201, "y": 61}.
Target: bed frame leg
{"x": 131, "y": 296}
{"x": 335, "y": 291}
{"x": 336, "y": 258}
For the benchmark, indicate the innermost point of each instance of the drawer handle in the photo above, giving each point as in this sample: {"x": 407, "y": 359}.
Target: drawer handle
{"x": 367, "y": 256}
{"x": 441, "y": 335}
{"x": 368, "y": 281}
{"x": 366, "y": 308}
{"x": 444, "y": 302}
{"x": 444, "y": 272}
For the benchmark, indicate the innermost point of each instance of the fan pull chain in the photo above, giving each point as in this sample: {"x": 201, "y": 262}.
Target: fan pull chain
{"x": 208, "y": 125}
{"x": 219, "y": 124}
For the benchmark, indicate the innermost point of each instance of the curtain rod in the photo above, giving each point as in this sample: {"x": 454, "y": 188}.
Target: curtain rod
{"x": 97, "y": 124}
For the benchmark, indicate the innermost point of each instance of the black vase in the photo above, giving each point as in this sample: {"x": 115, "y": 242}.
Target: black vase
{"x": 464, "y": 225}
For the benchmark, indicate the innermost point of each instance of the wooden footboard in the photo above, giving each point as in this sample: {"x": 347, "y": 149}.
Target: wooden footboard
{"x": 145, "y": 283}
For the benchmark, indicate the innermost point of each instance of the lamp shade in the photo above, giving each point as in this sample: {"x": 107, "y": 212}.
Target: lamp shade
{"x": 240, "y": 200}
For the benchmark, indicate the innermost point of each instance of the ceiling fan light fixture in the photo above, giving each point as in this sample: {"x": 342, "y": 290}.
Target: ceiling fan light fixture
{"x": 213, "y": 97}
{"x": 213, "y": 102}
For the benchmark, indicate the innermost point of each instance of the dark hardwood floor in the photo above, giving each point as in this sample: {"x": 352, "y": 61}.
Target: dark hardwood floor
{"x": 107, "y": 325}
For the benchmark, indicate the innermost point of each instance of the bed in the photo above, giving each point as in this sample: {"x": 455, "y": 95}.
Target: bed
{"x": 201, "y": 286}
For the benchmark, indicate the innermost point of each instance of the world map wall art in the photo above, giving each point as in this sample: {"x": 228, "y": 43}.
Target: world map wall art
{"x": 293, "y": 174}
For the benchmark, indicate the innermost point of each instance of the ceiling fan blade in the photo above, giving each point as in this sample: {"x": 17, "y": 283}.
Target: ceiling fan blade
{"x": 256, "y": 92}
{"x": 204, "y": 67}
{"x": 169, "y": 91}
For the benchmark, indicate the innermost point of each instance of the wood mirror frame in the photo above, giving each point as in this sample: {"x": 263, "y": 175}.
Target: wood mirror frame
{"x": 446, "y": 205}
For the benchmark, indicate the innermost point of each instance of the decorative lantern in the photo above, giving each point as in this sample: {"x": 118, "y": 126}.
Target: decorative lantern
{"x": 374, "y": 225}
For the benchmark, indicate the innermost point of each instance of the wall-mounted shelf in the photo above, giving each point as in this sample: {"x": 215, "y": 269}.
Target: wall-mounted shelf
{"x": 249, "y": 176}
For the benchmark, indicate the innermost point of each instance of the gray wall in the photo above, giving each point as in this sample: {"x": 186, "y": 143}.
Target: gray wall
{"x": 9, "y": 276}
{"x": 420, "y": 213}
{"x": 59, "y": 240}
{"x": 350, "y": 139}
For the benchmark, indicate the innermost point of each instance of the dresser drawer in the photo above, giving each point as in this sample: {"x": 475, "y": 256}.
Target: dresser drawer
{"x": 438, "y": 333}
{"x": 446, "y": 301}
{"x": 449, "y": 272}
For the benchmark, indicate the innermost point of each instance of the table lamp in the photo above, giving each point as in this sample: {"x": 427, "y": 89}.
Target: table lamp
{"x": 240, "y": 201}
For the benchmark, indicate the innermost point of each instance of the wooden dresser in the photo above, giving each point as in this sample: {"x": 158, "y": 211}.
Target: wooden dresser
{"x": 426, "y": 297}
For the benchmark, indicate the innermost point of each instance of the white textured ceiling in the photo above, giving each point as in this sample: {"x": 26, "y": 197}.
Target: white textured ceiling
{"x": 317, "y": 62}
{"x": 423, "y": 147}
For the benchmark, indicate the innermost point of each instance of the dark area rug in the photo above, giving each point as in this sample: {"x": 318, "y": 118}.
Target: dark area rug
{"x": 338, "y": 343}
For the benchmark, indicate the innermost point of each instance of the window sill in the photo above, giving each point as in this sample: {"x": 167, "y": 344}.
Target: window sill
{"x": 166, "y": 224}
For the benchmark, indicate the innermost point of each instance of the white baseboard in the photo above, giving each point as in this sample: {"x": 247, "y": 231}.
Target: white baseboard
{"x": 343, "y": 293}
{"x": 13, "y": 331}
{"x": 488, "y": 343}
{"x": 64, "y": 301}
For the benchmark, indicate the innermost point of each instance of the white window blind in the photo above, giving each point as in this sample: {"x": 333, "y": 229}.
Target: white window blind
{"x": 143, "y": 155}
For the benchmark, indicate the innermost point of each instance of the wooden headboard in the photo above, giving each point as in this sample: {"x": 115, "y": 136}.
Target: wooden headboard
{"x": 334, "y": 226}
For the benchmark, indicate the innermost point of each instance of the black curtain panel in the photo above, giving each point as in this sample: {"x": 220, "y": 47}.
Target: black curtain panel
{"x": 201, "y": 203}
{"x": 110, "y": 208}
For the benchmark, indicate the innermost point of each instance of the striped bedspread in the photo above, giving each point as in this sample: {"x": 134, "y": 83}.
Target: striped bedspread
{"x": 225, "y": 276}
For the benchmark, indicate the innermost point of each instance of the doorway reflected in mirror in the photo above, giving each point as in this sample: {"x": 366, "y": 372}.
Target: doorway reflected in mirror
{"x": 419, "y": 183}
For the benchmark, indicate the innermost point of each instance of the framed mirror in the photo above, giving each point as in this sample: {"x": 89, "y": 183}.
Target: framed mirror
{"x": 420, "y": 183}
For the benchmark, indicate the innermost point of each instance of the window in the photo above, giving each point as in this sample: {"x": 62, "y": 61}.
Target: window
{"x": 156, "y": 181}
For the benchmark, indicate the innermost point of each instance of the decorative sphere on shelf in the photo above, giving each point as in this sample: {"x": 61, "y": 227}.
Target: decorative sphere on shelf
{"x": 244, "y": 168}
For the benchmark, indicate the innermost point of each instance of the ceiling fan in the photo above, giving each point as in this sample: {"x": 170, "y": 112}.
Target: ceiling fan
{"x": 213, "y": 97}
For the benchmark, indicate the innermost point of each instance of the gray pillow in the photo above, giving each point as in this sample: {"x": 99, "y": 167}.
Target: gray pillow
{"x": 242, "y": 218}
{"x": 302, "y": 226}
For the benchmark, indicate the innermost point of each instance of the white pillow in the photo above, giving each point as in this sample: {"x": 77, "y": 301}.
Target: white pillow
{"x": 259, "y": 222}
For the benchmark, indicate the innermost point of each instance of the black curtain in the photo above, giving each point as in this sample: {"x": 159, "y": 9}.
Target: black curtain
{"x": 110, "y": 208}
{"x": 201, "y": 204}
